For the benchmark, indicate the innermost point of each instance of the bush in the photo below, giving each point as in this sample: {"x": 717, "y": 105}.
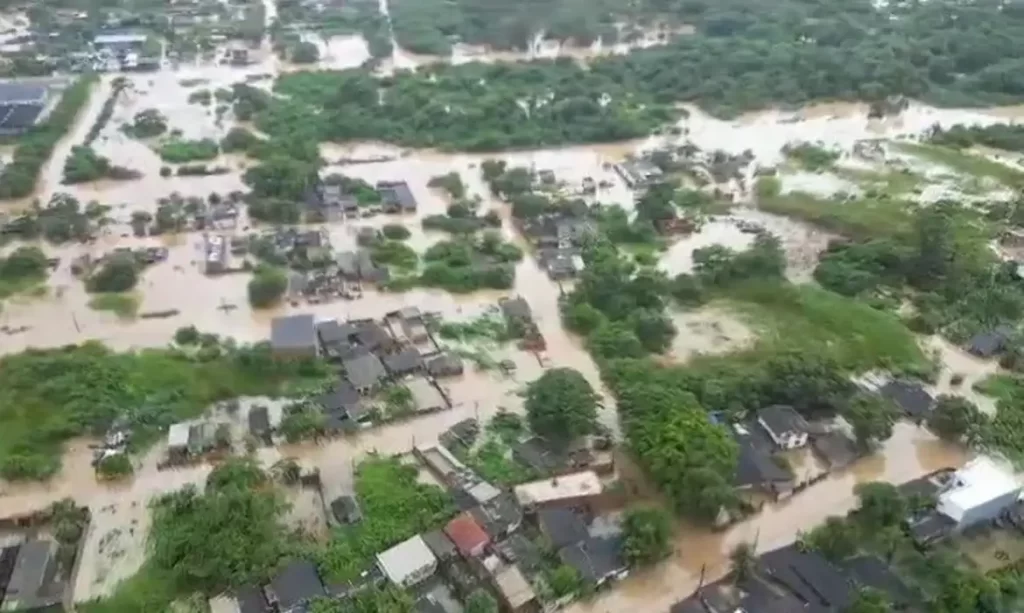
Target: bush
{"x": 305, "y": 53}
{"x": 267, "y": 286}
{"x": 238, "y": 139}
{"x": 115, "y": 466}
{"x": 165, "y": 171}
{"x": 396, "y": 232}
{"x": 184, "y": 151}
{"x": 119, "y": 273}
{"x": 147, "y": 124}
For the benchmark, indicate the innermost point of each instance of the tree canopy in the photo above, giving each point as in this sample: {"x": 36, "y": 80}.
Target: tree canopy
{"x": 561, "y": 405}
{"x": 647, "y": 532}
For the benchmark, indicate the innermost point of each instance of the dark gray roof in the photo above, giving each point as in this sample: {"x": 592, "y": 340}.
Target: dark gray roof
{"x": 348, "y": 263}
{"x": 332, "y": 332}
{"x": 445, "y": 364}
{"x": 439, "y": 543}
{"x": 259, "y": 420}
{"x": 516, "y": 308}
{"x": 534, "y": 453}
{"x": 369, "y": 334}
{"x": 756, "y": 468}
{"x": 293, "y": 332}
{"x": 296, "y": 584}
{"x": 987, "y": 344}
{"x": 406, "y": 361}
{"x": 931, "y": 527}
{"x": 342, "y": 398}
{"x": 838, "y": 449}
{"x": 31, "y": 582}
{"x": 595, "y": 558}
{"x": 14, "y": 117}
{"x": 780, "y": 418}
{"x": 871, "y": 571}
{"x": 12, "y": 91}
{"x": 428, "y": 604}
{"x": 364, "y": 371}
{"x": 809, "y": 576}
{"x": 502, "y": 514}
{"x": 563, "y": 527}
{"x": 909, "y": 396}
{"x": 397, "y": 193}
{"x": 250, "y": 599}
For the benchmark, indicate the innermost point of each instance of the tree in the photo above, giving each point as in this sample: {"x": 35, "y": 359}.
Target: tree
{"x": 561, "y": 405}
{"x": 115, "y": 466}
{"x": 743, "y": 560}
{"x": 656, "y": 203}
{"x": 395, "y": 231}
{"x": 267, "y": 286}
{"x": 654, "y": 329}
{"x": 881, "y": 504}
{"x": 186, "y": 335}
{"x": 25, "y": 262}
{"x": 564, "y": 580}
{"x": 281, "y": 177}
{"x": 481, "y": 601}
{"x": 615, "y": 340}
{"x": 836, "y": 539}
{"x": 688, "y": 290}
{"x": 647, "y": 533}
{"x": 955, "y": 417}
{"x": 305, "y": 53}
{"x": 119, "y": 273}
{"x": 872, "y": 418}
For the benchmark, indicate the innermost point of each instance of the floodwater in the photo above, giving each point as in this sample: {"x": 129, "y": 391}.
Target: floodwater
{"x": 63, "y": 316}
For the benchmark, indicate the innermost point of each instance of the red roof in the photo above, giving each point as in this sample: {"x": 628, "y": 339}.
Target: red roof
{"x": 466, "y": 533}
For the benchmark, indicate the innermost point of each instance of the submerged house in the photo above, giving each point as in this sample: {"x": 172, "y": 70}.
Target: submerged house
{"x": 396, "y": 197}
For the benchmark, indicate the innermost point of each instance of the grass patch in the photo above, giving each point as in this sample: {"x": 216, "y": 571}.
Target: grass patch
{"x": 124, "y": 305}
{"x": 858, "y": 217}
{"x": 809, "y": 319}
{"x": 146, "y": 590}
{"x": 964, "y": 163}
{"x": 487, "y": 328}
{"x": 890, "y": 182}
{"x": 1002, "y": 433}
{"x": 494, "y": 462}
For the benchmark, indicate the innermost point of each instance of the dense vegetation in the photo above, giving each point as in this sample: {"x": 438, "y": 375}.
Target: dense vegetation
{"x": 117, "y": 273}
{"x": 22, "y": 269}
{"x": 561, "y": 405}
{"x": 48, "y": 396}
{"x": 956, "y": 284}
{"x": 267, "y": 286}
{"x": 83, "y": 164}
{"x": 203, "y": 542}
{"x": 148, "y": 123}
{"x": 18, "y": 178}
{"x": 647, "y": 533}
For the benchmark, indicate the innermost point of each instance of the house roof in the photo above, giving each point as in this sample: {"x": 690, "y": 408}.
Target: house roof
{"x": 296, "y": 584}
{"x": 499, "y": 514}
{"x": 838, "y": 449}
{"x": 396, "y": 192}
{"x": 809, "y": 576}
{"x": 780, "y": 418}
{"x": 177, "y": 435}
{"x": 250, "y": 599}
{"x": 403, "y": 362}
{"x": 576, "y": 485}
{"x": 370, "y": 335}
{"x": 537, "y": 455}
{"x": 348, "y": 262}
{"x": 364, "y": 371}
{"x": 516, "y": 308}
{"x": 987, "y": 344}
{"x": 31, "y": 576}
{"x": 755, "y": 466}
{"x": 342, "y": 398}
{"x": 446, "y": 363}
{"x": 14, "y": 92}
{"x": 259, "y": 420}
{"x": 563, "y": 527}
{"x": 467, "y": 534}
{"x": 439, "y": 544}
{"x": 332, "y": 332}
{"x": 119, "y": 38}
{"x": 595, "y": 558}
{"x": 979, "y": 482}
{"x": 405, "y": 559}
{"x": 910, "y": 396}
{"x": 871, "y": 571}
{"x": 514, "y": 587}
{"x": 293, "y": 332}
{"x": 410, "y": 312}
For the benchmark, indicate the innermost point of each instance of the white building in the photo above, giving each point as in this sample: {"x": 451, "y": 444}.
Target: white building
{"x": 408, "y": 562}
{"x": 978, "y": 492}
{"x": 569, "y": 489}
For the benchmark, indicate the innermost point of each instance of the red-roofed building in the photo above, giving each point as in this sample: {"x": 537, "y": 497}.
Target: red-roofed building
{"x": 469, "y": 537}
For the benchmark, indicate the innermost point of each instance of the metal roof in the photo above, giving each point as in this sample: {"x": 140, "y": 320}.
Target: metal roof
{"x": 406, "y": 559}
{"x": 13, "y": 92}
{"x": 177, "y": 435}
{"x": 293, "y": 332}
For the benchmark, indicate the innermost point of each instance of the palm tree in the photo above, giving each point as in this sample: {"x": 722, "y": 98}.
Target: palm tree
{"x": 743, "y": 558}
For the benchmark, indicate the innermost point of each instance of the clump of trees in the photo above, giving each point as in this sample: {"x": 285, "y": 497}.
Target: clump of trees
{"x": 84, "y": 164}
{"x": 395, "y": 232}
{"x": 117, "y": 466}
{"x": 1008, "y": 137}
{"x": 18, "y": 178}
{"x": 24, "y": 267}
{"x": 239, "y": 139}
{"x": 948, "y": 272}
{"x": 117, "y": 273}
{"x": 647, "y": 535}
{"x": 468, "y": 265}
{"x": 561, "y": 405}
{"x": 267, "y": 286}
{"x": 304, "y": 52}
{"x": 451, "y": 183}
{"x": 810, "y": 156}
{"x": 148, "y": 123}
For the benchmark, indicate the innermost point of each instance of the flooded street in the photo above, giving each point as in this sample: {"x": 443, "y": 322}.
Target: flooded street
{"x": 219, "y": 304}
